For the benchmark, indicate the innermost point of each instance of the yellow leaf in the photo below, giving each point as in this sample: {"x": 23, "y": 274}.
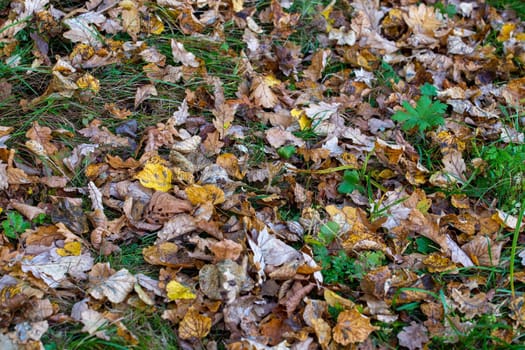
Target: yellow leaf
{"x": 230, "y": 163}
{"x": 156, "y": 26}
{"x": 305, "y": 122}
{"x": 155, "y": 176}
{"x": 297, "y": 113}
{"x": 271, "y": 80}
{"x": 87, "y": 81}
{"x": 194, "y": 325}
{"x": 506, "y": 31}
{"x": 176, "y": 291}
{"x": 198, "y": 194}
{"x": 70, "y": 248}
{"x": 237, "y": 5}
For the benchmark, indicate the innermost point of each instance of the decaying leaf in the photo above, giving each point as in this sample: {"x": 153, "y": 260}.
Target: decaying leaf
{"x": 414, "y": 336}
{"x": 352, "y": 327}
{"x": 116, "y": 288}
{"x": 54, "y": 269}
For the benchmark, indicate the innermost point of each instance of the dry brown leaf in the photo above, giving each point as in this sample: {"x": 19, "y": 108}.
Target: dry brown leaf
{"x": 483, "y": 251}
{"x": 143, "y": 92}
{"x": 226, "y": 249}
{"x": 224, "y": 116}
{"x": 261, "y": 92}
{"x": 28, "y": 211}
{"x": 352, "y": 327}
{"x": 181, "y": 55}
{"x": 323, "y": 331}
{"x": 54, "y": 269}
{"x": 477, "y": 305}
{"x": 42, "y": 135}
{"x": 116, "y": 288}
{"x": 422, "y": 19}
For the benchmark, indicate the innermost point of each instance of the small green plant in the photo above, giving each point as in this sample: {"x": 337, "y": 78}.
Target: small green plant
{"x": 386, "y": 75}
{"x": 449, "y": 10}
{"x": 427, "y": 114}
{"x": 287, "y": 152}
{"x": 351, "y": 181}
{"x": 14, "y": 225}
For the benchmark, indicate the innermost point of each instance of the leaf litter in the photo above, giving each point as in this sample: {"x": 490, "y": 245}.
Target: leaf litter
{"x": 321, "y": 204}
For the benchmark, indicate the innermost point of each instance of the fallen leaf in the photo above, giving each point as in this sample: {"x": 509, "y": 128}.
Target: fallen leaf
{"x": 181, "y": 55}
{"x": 143, "y": 92}
{"x": 54, "y": 269}
{"x": 414, "y": 336}
{"x": 115, "y": 288}
{"x": 198, "y": 194}
{"x": 194, "y": 325}
{"x": 262, "y": 93}
{"x": 155, "y": 176}
{"x": 175, "y": 291}
{"x": 352, "y": 327}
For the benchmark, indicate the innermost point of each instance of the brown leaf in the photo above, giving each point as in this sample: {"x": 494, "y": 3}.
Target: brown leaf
{"x": 322, "y": 331}
{"x": 262, "y": 93}
{"x": 483, "y": 251}
{"x": 194, "y": 325}
{"x": 163, "y": 206}
{"x": 42, "y": 135}
{"x": 143, "y": 92}
{"x": 224, "y": 115}
{"x": 28, "y": 211}
{"x": 352, "y": 327}
{"x": 414, "y": 336}
{"x": 116, "y": 288}
{"x": 181, "y": 55}
{"x": 226, "y": 249}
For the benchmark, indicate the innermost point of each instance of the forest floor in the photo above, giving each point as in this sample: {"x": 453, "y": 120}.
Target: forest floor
{"x": 278, "y": 174}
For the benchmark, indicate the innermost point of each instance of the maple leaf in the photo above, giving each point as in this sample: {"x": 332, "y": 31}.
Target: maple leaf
{"x": 425, "y": 115}
{"x": 262, "y": 93}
